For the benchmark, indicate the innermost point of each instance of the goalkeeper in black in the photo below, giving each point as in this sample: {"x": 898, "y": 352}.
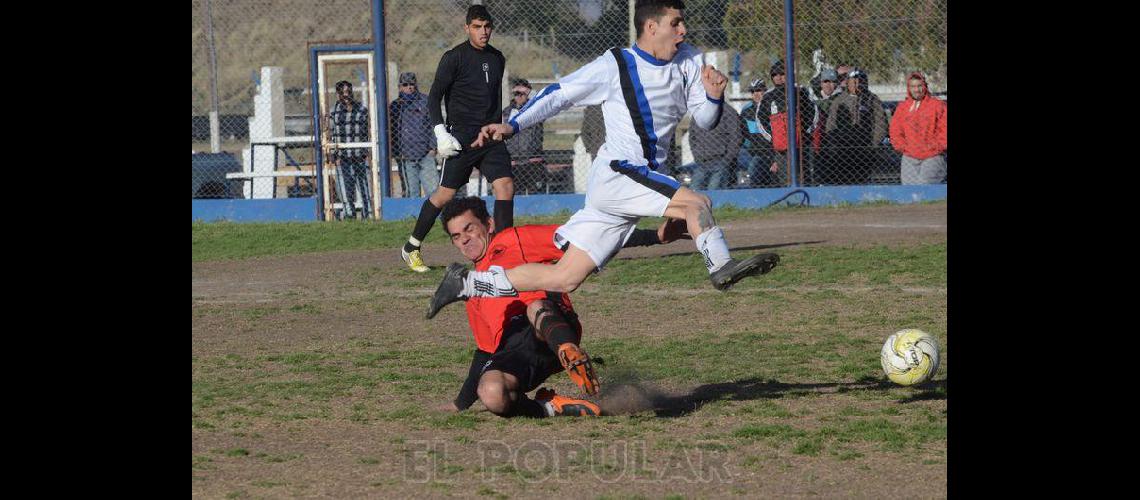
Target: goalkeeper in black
{"x": 469, "y": 82}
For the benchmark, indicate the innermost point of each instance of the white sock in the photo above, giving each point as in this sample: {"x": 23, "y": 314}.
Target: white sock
{"x": 711, "y": 244}
{"x": 549, "y": 408}
{"x": 416, "y": 243}
{"x": 490, "y": 283}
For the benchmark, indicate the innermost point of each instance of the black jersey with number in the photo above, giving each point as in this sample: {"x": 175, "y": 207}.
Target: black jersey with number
{"x": 469, "y": 82}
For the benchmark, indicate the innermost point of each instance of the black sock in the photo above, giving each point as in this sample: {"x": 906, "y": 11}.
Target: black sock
{"x": 557, "y": 331}
{"x": 526, "y": 407}
{"x": 428, "y": 214}
{"x": 504, "y": 214}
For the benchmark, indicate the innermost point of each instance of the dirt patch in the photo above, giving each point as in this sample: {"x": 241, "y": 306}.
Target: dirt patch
{"x": 261, "y": 279}
{"x": 803, "y": 434}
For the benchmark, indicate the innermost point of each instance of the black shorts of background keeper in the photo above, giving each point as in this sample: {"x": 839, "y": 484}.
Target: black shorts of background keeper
{"x": 493, "y": 161}
{"x": 522, "y": 354}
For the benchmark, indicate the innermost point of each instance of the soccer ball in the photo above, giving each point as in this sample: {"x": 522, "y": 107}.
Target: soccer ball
{"x": 910, "y": 357}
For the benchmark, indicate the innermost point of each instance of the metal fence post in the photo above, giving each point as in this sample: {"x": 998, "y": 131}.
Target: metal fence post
{"x": 381, "y": 90}
{"x": 790, "y": 91}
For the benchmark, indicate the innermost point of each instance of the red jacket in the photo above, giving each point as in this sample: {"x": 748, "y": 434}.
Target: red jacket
{"x": 513, "y": 246}
{"x": 919, "y": 133}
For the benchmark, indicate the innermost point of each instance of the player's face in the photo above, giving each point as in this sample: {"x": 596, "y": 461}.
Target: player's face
{"x": 916, "y": 89}
{"x": 757, "y": 95}
{"x": 670, "y": 32}
{"x": 470, "y": 235}
{"x": 479, "y": 32}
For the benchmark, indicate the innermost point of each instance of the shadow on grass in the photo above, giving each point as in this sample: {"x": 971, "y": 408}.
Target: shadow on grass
{"x": 635, "y": 397}
{"x": 733, "y": 249}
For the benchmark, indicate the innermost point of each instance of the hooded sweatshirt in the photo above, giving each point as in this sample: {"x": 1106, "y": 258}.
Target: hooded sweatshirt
{"x": 918, "y": 128}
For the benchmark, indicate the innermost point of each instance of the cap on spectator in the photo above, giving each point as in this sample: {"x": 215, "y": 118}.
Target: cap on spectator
{"x": 858, "y": 73}
{"x": 828, "y": 75}
{"x": 757, "y": 84}
{"x": 407, "y": 77}
{"x": 777, "y": 68}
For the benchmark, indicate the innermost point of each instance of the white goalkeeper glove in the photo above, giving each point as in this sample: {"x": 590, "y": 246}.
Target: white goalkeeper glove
{"x": 446, "y": 145}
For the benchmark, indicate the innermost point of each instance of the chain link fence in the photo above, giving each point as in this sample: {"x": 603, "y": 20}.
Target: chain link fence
{"x": 261, "y": 52}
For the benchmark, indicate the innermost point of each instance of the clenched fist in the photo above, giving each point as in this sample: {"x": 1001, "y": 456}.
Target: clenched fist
{"x": 714, "y": 81}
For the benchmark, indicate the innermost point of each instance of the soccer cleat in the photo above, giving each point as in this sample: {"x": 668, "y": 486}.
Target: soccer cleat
{"x": 579, "y": 367}
{"x": 567, "y": 407}
{"x": 415, "y": 260}
{"x": 736, "y": 270}
{"x": 450, "y": 289}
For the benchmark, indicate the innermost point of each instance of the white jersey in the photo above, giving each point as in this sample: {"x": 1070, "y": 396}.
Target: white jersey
{"x": 642, "y": 101}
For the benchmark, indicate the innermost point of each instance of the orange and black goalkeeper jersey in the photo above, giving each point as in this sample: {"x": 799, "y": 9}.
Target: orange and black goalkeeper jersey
{"x": 488, "y": 316}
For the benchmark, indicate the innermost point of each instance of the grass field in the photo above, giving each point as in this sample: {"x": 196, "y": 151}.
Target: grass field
{"x": 314, "y": 372}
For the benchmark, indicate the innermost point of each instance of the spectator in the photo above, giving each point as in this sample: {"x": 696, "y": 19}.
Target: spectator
{"x": 859, "y": 125}
{"x": 412, "y": 139}
{"x": 756, "y": 151}
{"x": 842, "y": 71}
{"x": 715, "y": 150}
{"x": 918, "y": 131}
{"x": 823, "y": 151}
{"x": 349, "y": 121}
{"x": 774, "y": 117}
{"x": 593, "y": 129}
{"x": 525, "y": 147}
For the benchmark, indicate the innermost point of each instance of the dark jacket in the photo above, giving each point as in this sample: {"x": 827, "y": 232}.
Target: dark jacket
{"x": 856, "y": 120}
{"x": 723, "y": 141}
{"x": 412, "y": 137}
{"x": 757, "y": 139}
{"x": 774, "y": 108}
{"x": 593, "y": 129}
{"x": 528, "y": 142}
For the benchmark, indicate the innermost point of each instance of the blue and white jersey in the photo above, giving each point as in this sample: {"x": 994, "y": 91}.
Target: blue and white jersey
{"x": 643, "y": 99}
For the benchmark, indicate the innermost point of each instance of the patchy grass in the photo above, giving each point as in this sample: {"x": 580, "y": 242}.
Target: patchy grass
{"x": 229, "y": 240}
{"x": 777, "y": 373}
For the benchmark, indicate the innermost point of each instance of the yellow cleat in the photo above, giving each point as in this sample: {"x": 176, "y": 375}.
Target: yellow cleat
{"x": 415, "y": 260}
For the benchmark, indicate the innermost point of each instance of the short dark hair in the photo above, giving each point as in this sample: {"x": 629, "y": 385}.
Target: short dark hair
{"x": 479, "y": 12}
{"x": 645, "y": 10}
{"x": 457, "y": 206}
{"x": 341, "y": 85}
{"x": 520, "y": 82}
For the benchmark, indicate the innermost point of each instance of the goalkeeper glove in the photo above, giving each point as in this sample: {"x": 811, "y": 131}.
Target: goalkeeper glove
{"x": 446, "y": 144}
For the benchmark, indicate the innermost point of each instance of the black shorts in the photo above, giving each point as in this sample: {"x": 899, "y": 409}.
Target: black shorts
{"x": 522, "y": 354}
{"x": 493, "y": 161}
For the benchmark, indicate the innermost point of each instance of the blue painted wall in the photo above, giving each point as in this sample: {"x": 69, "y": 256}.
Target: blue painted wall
{"x": 305, "y": 209}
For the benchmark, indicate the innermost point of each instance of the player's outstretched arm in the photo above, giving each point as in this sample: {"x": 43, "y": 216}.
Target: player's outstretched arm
{"x": 492, "y": 132}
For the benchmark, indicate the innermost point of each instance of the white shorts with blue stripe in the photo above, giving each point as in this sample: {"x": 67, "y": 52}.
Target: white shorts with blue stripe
{"x": 618, "y": 195}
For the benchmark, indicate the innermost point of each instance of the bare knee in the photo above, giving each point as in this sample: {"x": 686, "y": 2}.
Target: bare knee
{"x": 441, "y": 196}
{"x": 504, "y": 188}
{"x": 535, "y": 308}
{"x": 493, "y": 394}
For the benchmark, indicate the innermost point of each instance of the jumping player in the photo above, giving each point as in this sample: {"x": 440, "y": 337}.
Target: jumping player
{"x": 468, "y": 81}
{"x": 523, "y": 340}
{"x": 644, "y": 92}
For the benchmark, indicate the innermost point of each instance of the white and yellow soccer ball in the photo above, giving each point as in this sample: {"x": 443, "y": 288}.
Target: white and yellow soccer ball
{"x": 910, "y": 356}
